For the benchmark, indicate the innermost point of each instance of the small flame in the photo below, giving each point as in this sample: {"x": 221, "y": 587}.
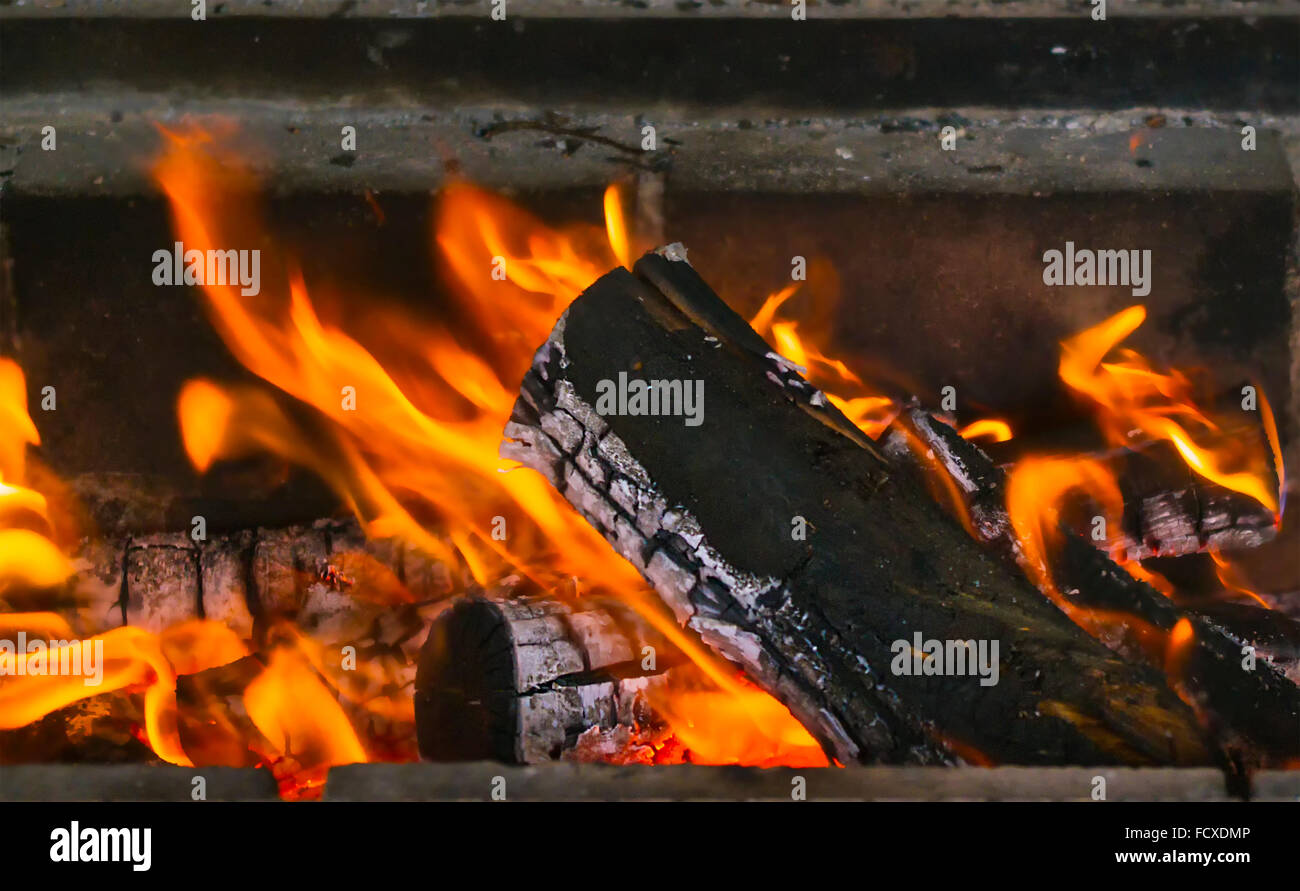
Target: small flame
{"x": 743, "y": 725}
{"x": 1229, "y": 578}
{"x": 992, "y": 429}
{"x": 943, "y": 488}
{"x": 867, "y": 409}
{"x": 302, "y": 720}
{"x": 863, "y": 404}
{"x": 616, "y": 227}
{"x": 1178, "y": 654}
{"x": 1132, "y": 396}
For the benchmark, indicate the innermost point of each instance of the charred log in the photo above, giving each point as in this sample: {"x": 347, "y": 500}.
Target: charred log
{"x": 1252, "y": 709}
{"x": 532, "y": 679}
{"x": 1169, "y": 510}
{"x": 711, "y": 514}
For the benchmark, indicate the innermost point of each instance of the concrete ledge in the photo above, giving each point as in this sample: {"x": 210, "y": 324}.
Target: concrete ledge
{"x": 105, "y": 143}
{"x": 134, "y": 782}
{"x": 1275, "y": 785}
{"x": 574, "y": 782}
{"x": 672, "y": 9}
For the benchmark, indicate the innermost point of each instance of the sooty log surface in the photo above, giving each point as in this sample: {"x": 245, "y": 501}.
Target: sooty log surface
{"x": 813, "y": 620}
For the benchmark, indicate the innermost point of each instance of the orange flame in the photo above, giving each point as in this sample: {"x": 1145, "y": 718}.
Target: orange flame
{"x": 869, "y": 411}
{"x": 743, "y": 725}
{"x": 430, "y": 432}
{"x": 1131, "y": 396}
{"x": 44, "y": 667}
{"x": 28, "y": 557}
{"x": 861, "y": 403}
{"x": 1037, "y": 492}
{"x": 1228, "y": 576}
{"x": 300, "y": 717}
{"x": 987, "y": 428}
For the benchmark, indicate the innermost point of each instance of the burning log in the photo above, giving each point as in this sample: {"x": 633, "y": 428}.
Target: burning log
{"x": 1258, "y": 707}
{"x": 777, "y": 531}
{"x": 250, "y": 578}
{"x": 533, "y": 679}
{"x": 1169, "y": 510}
{"x": 349, "y": 613}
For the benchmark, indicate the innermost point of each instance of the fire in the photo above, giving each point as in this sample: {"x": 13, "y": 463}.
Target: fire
{"x": 28, "y": 556}
{"x": 45, "y": 667}
{"x": 1038, "y": 492}
{"x": 869, "y": 411}
{"x": 1037, "y": 489}
{"x": 1231, "y": 584}
{"x": 943, "y": 488}
{"x": 1178, "y": 652}
{"x": 413, "y": 413}
{"x": 404, "y": 424}
{"x": 1134, "y": 403}
{"x": 992, "y": 429}
{"x": 302, "y": 721}
{"x": 1132, "y": 398}
{"x": 744, "y": 726}
{"x": 864, "y": 405}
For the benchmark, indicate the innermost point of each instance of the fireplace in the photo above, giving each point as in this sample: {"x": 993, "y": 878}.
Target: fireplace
{"x": 551, "y": 400}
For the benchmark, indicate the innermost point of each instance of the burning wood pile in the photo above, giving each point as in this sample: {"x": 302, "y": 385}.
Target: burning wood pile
{"x": 799, "y": 549}
{"x": 714, "y": 542}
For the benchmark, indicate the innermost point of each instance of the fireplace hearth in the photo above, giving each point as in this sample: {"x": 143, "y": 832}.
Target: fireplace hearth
{"x": 643, "y": 401}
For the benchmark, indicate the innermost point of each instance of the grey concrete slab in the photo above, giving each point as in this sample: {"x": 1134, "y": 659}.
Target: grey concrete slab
{"x": 573, "y": 782}
{"x": 106, "y": 141}
{"x": 1275, "y": 785}
{"x": 675, "y": 9}
{"x": 133, "y": 782}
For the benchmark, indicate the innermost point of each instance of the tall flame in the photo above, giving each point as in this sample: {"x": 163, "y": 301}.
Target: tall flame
{"x": 430, "y": 432}
{"x": 29, "y": 558}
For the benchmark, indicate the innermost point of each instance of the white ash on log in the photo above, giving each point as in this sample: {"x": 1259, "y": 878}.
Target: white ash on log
{"x": 248, "y": 579}
{"x": 1273, "y": 636}
{"x": 162, "y": 581}
{"x": 1169, "y": 510}
{"x": 526, "y": 680}
{"x": 227, "y": 592}
{"x": 706, "y": 513}
{"x": 1254, "y": 712}
{"x": 98, "y": 592}
{"x": 326, "y": 579}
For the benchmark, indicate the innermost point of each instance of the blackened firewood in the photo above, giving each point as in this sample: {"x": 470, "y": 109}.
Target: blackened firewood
{"x": 713, "y": 516}
{"x": 1254, "y": 710}
{"x": 522, "y": 680}
{"x": 1271, "y": 636}
{"x": 1168, "y": 509}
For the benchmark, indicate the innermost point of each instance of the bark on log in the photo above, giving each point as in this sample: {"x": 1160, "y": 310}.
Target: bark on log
{"x": 706, "y": 513}
{"x": 534, "y": 679}
{"x": 1254, "y": 713}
